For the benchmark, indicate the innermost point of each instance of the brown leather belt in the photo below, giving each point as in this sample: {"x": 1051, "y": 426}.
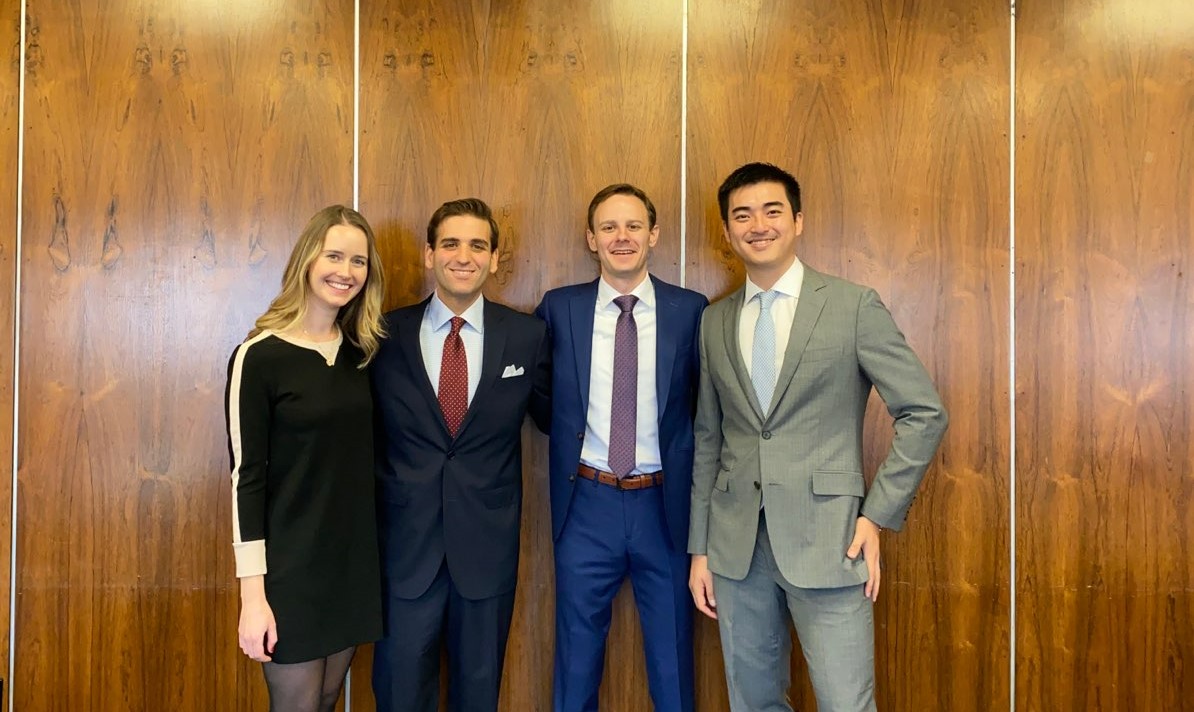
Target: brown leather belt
{"x": 630, "y": 482}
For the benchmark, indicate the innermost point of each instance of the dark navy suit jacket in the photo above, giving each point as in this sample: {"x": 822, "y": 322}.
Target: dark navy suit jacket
{"x": 568, "y": 312}
{"x": 455, "y": 498}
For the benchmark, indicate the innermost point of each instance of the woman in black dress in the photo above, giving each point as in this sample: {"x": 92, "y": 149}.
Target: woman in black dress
{"x": 300, "y": 431}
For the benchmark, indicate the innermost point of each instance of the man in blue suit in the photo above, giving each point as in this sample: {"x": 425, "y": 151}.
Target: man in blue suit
{"x": 452, "y": 383}
{"x": 625, "y": 369}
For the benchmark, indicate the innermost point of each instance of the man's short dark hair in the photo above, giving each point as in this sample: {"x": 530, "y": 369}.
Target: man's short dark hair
{"x": 474, "y": 207}
{"x": 621, "y": 189}
{"x": 752, "y": 174}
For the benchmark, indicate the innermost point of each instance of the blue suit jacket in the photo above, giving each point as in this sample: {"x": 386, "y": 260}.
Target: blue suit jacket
{"x": 455, "y": 498}
{"x": 568, "y": 312}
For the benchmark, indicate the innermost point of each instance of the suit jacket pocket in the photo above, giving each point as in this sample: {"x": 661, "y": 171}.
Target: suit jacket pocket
{"x": 499, "y": 497}
{"x": 723, "y": 480}
{"x": 821, "y": 354}
{"x": 393, "y": 494}
{"x": 837, "y": 497}
{"x": 830, "y": 483}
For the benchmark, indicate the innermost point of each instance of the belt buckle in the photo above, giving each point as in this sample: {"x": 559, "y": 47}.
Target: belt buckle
{"x": 638, "y": 482}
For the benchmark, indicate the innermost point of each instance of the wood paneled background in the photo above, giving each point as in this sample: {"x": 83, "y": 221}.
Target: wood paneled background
{"x": 172, "y": 152}
{"x": 174, "y": 149}
{"x": 1105, "y": 356}
{"x": 10, "y": 127}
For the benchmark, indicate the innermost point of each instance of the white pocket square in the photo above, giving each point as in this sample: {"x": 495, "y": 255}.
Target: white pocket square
{"x": 512, "y": 371}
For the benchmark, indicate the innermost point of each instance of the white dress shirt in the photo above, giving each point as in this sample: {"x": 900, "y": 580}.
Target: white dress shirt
{"x": 783, "y": 313}
{"x": 437, "y": 324}
{"x": 595, "y": 451}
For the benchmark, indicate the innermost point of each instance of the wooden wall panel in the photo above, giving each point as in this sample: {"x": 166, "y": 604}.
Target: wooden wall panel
{"x": 10, "y": 78}
{"x": 533, "y": 106}
{"x": 1104, "y": 344}
{"x": 893, "y": 115}
{"x": 174, "y": 150}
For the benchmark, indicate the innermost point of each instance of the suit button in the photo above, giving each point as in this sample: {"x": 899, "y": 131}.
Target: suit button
{"x": 766, "y": 434}
{"x": 580, "y": 436}
{"x": 451, "y": 454}
{"x": 572, "y": 478}
{"x": 758, "y": 486}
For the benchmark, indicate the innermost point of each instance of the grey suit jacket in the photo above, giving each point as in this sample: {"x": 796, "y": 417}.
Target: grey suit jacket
{"x": 803, "y": 460}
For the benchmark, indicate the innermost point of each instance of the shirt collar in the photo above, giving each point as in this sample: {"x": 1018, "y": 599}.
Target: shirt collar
{"x": 438, "y": 314}
{"x": 645, "y": 291}
{"x": 788, "y": 284}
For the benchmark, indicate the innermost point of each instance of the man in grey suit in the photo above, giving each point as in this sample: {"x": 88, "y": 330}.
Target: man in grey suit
{"x": 781, "y": 516}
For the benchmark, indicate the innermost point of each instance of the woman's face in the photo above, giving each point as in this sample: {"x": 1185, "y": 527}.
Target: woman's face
{"x": 339, "y": 272}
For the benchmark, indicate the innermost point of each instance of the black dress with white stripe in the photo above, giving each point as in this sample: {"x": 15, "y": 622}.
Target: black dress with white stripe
{"x": 300, "y": 430}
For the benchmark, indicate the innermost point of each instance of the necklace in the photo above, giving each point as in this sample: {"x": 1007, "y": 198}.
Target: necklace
{"x": 311, "y": 337}
{"x": 328, "y": 348}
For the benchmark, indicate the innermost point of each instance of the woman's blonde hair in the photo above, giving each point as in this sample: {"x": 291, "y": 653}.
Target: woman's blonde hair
{"x": 360, "y": 319}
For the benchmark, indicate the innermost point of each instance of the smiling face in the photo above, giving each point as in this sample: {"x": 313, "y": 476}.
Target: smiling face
{"x": 762, "y": 228}
{"x": 622, "y": 237}
{"x": 462, "y": 259}
{"x": 339, "y": 271}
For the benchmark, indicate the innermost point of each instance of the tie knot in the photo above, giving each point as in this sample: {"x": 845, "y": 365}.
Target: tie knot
{"x": 766, "y": 299}
{"x": 626, "y": 302}
{"x": 457, "y": 323}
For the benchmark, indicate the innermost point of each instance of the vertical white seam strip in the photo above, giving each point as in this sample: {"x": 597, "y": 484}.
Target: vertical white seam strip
{"x": 16, "y": 370}
{"x": 1011, "y": 312}
{"x": 356, "y": 107}
{"x": 356, "y": 195}
{"x": 684, "y": 145}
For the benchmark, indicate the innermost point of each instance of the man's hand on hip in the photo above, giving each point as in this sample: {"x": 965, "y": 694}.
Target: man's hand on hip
{"x": 866, "y": 540}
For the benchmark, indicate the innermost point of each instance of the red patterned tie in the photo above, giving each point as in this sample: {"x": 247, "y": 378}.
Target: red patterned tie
{"x": 453, "y": 378}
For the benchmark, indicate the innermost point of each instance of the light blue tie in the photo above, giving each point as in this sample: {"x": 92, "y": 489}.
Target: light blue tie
{"x": 762, "y": 355}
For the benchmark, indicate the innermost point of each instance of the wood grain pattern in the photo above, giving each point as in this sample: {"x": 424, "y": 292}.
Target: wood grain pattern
{"x": 10, "y": 77}
{"x": 174, "y": 150}
{"x": 533, "y": 106}
{"x": 893, "y": 116}
{"x": 1105, "y": 333}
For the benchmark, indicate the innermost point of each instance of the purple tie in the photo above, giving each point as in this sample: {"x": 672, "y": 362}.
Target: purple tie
{"x": 623, "y": 412}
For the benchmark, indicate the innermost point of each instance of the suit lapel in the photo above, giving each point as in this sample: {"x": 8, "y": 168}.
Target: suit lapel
{"x": 808, "y": 311}
{"x": 408, "y": 324}
{"x": 665, "y": 342}
{"x": 493, "y": 346}
{"x": 580, "y": 316}
{"x": 730, "y": 318}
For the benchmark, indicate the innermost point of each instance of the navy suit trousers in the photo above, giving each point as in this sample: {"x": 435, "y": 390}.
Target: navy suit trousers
{"x": 609, "y": 535}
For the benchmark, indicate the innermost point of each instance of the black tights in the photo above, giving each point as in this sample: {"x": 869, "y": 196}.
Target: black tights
{"x": 313, "y": 686}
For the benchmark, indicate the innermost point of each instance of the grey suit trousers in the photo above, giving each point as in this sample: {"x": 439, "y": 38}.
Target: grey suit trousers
{"x": 835, "y": 627}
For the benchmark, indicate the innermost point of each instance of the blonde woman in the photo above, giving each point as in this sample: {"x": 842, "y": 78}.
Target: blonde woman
{"x": 300, "y": 432}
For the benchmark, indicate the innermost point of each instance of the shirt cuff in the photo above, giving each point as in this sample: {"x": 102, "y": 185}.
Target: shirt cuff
{"x": 250, "y": 558}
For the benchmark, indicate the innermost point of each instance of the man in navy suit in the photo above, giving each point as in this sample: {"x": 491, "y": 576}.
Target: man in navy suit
{"x": 624, "y": 349}
{"x": 452, "y": 383}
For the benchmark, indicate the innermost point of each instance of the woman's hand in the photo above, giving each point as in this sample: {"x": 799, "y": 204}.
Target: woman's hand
{"x": 258, "y": 632}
